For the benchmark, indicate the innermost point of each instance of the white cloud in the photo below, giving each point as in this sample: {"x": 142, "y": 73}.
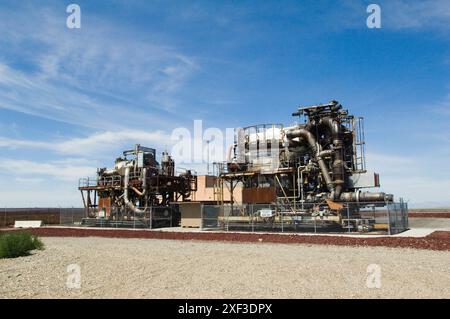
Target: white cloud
{"x": 95, "y": 144}
{"x": 403, "y": 14}
{"x": 396, "y": 15}
{"x": 57, "y": 170}
{"x": 418, "y": 180}
{"x": 99, "y": 76}
{"x": 28, "y": 180}
{"x": 41, "y": 197}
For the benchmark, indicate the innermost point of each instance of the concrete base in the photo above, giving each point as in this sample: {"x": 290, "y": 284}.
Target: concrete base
{"x": 27, "y": 223}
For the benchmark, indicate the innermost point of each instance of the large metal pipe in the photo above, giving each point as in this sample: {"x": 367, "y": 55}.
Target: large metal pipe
{"x": 362, "y": 197}
{"x": 125, "y": 193}
{"x": 335, "y": 185}
{"x": 309, "y": 137}
{"x": 338, "y": 163}
{"x": 144, "y": 184}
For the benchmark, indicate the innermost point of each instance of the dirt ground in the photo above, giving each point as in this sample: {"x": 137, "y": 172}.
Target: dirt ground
{"x": 155, "y": 268}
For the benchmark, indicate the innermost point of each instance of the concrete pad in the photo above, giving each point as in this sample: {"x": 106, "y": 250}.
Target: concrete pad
{"x": 27, "y": 223}
{"x": 416, "y": 232}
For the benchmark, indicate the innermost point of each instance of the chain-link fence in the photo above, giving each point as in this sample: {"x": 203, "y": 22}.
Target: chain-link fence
{"x": 111, "y": 217}
{"x": 48, "y": 216}
{"x": 150, "y": 217}
{"x": 388, "y": 219}
{"x": 398, "y": 217}
{"x": 71, "y": 216}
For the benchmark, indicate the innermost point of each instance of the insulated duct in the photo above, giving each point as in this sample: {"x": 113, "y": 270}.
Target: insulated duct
{"x": 361, "y": 197}
{"x": 338, "y": 163}
{"x": 309, "y": 137}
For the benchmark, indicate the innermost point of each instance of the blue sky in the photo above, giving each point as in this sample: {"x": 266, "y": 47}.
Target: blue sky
{"x": 72, "y": 99}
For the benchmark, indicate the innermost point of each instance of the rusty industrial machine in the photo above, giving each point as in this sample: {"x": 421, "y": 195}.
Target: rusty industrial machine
{"x": 314, "y": 170}
{"x": 138, "y": 191}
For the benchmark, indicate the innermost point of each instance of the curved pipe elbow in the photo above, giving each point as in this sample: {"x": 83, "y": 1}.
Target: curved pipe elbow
{"x": 333, "y": 125}
{"x": 307, "y": 135}
{"x": 125, "y": 193}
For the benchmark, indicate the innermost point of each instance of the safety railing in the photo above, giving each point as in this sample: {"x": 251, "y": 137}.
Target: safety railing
{"x": 104, "y": 181}
{"x": 87, "y": 182}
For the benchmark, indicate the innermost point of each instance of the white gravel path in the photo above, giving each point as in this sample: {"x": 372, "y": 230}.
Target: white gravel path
{"x": 135, "y": 268}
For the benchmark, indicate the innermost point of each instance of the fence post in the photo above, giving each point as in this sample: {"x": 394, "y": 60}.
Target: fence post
{"x": 151, "y": 217}
{"x": 5, "y": 218}
{"x": 348, "y": 218}
{"x": 201, "y": 216}
{"x": 315, "y": 226}
{"x": 406, "y": 214}
{"x": 227, "y": 219}
{"x": 389, "y": 220}
{"x": 253, "y": 219}
{"x": 395, "y": 221}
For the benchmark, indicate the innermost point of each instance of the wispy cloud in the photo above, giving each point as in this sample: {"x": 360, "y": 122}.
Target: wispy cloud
{"x": 396, "y": 15}
{"x": 29, "y": 180}
{"x": 402, "y": 14}
{"x": 59, "y": 170}
{"x": 416, "y": 179}
{"x": 97, "y": 76}
{"x": 92, "y": 145}
{"x": 443, "y": 107}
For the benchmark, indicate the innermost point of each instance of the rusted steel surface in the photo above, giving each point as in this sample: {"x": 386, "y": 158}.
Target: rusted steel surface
{"x": 104, "y": 203}
{"x": 259, "y": 195}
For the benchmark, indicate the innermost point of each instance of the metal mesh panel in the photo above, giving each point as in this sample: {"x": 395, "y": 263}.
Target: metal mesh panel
{"x": 361, "y": 217}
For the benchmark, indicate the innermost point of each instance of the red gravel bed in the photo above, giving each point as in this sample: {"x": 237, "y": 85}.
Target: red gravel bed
{"x": 435, "y": 241}
{"x": 429, "y": 215}
{"x": 445, "y": 235}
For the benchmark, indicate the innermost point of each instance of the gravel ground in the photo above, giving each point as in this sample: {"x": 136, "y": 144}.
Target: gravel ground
{"x": 152, "y": 268}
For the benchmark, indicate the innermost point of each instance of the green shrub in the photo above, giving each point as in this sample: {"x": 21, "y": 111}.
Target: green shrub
{"x": 18, "y": 243}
